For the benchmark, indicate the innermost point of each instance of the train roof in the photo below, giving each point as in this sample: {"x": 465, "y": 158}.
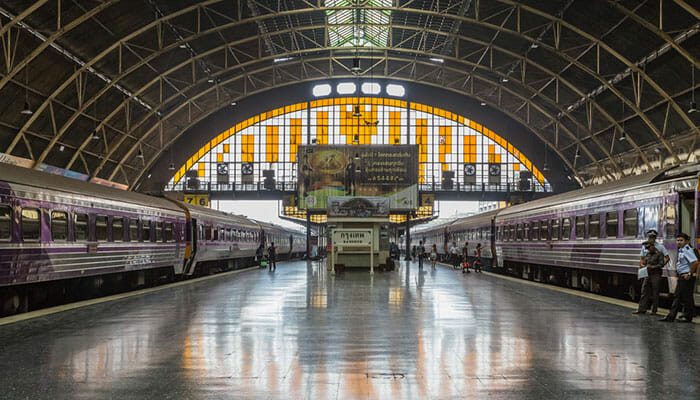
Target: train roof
{"x": 621, "y": 185}
{"x": 199, "y": 212}
{"x": 474, "y": 221}
{"x": 42, "y": 180}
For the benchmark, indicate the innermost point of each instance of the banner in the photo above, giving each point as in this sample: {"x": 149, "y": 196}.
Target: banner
{"x": 367, "y": 171}
{"x": 360, "y": 207}
{"x": 17, "y": 161}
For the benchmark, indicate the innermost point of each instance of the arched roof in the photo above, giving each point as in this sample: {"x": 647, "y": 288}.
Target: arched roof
{"x": 141, "y": 73}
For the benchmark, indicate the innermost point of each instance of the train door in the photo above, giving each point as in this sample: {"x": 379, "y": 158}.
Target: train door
{"x": 686, "y": 225}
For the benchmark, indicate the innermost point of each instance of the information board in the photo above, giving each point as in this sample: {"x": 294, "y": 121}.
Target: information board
{"x": 367, "y": 171}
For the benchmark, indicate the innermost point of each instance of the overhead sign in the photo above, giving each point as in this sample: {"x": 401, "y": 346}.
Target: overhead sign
{"x": 197, "y": 199}
{"x": 352, "y": 238}
{"x": 367, "y": 171}
{"x": 360, "y": 207}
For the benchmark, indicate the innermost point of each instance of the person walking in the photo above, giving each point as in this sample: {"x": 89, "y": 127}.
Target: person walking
{"x": 421, "y": 254}
{"x": 686, "y": 266}
{"x": 272, "y": 255}
{"x": 477, "y": 261}
{"x": 654, "y": 263}
{"x": 433, "y": 255}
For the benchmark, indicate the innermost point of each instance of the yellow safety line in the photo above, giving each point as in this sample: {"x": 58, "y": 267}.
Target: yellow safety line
{"x": 592, "y": 296}
{"x": 71, "y": 306}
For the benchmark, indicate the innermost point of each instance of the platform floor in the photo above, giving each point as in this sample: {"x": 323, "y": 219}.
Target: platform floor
{"x": 301, "y": 333}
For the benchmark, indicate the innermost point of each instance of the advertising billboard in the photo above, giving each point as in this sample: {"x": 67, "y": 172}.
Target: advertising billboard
{"x": 349, "y": 171}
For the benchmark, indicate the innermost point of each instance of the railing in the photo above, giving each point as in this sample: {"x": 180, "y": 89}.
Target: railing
{"x": 291, "y": 187}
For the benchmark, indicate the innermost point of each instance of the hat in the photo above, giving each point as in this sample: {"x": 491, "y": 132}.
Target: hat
{"x": 683, "y": 235}
{"x": 652, "y": 232}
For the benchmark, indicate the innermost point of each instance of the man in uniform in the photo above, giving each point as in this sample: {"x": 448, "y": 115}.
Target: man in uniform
{"x": 454, "y": 255}
{"x": 686, "y": 266}
{"x": 654, "y": 263}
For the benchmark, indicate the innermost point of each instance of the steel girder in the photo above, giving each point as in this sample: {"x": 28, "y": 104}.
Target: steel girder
{"x": 405, "y": 8}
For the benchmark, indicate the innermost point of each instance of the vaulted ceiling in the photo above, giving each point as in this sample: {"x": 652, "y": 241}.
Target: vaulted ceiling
{"x": 112, "y": 84}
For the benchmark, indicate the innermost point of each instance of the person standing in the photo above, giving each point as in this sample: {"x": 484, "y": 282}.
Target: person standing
{"x": 465, "y": 257}
{"x": 654, "y": 262}
{"x": 433, "y": 255}
{"x": 259, "y": 253}
{"x": 272, "y": 255}
{"x": 421, "y": 254}
{"x": 686, "y": 266}
{"x": 454, "y": 255}
{"x": 477, "y": 260}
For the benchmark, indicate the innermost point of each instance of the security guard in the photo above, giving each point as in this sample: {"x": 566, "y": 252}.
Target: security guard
{"x": 686, "y": 266}
{"x": 651, "y": 235}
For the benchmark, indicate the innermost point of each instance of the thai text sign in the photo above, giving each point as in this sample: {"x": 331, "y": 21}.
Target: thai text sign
{"x": 352, "y": 238}
{"x": 348, "y": 171}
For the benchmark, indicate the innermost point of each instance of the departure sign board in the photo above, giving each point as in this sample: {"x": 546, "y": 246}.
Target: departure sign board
{"x": 369, "y": 171}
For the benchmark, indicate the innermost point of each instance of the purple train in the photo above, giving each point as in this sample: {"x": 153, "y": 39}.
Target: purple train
{"x": 588, "y": 239}
{"x": 63, "y": 240}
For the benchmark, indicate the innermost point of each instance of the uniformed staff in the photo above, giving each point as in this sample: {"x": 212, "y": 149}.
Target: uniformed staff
{"x": 686, "y": 266}
{"x": 654, "y": 263}
{"x": 651, "y": 236}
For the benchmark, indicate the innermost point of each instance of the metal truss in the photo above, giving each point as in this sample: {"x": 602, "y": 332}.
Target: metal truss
{"x": 517, "y": 96}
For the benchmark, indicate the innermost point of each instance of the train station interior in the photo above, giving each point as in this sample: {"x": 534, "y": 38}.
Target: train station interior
{"x": 349, "y": 199}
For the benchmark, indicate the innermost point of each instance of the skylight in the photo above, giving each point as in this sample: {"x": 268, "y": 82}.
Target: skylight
{"x": 359, "y": 27}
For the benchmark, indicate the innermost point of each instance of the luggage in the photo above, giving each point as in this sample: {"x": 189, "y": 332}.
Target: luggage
{"x": 263, "y": 264}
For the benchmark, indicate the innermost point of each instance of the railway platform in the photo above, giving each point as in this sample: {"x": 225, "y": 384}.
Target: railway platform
{"x": 300, "y": 333}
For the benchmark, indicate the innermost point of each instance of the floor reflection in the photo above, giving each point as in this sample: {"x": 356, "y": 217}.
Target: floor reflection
{"x": 303, "y": 333}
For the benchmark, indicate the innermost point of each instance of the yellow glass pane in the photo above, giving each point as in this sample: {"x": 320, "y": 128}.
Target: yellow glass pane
{"x": 219, "y": 158}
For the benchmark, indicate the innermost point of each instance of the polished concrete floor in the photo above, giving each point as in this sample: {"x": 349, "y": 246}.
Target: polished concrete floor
{"x": 300, "y": 333}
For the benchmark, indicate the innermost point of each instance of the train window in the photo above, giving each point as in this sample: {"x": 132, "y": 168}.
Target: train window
{"x": 580, "y": 226}
{"x": 145, "y": 231}
{"x": 544, "y": 229}
{"x": 101, "y": 228}
{"x": 594, "y": 226}
{"x": 222, "y": 234}
{"x": 536, "y": 230}
{"x": 518, "y": 231}
{"x": 215, "y": 231}
{"x": 80, "y": 226}
{"x": 59, "y": 225}
{"x": 159, "y": 231}
{"x": 5, "y": 222}
{"x": 228, "y": 234}
{"x": 31, "y": 224}
{"x": 167, "y": 231}
{"x": 555, "y": 229}
{"x": 207, "y": 232}
{"x": 566, "y": 229}
{"x": 630, "y": 222}
{"x": 134, "y": 229}
{"x": 117, "y": 229}
{"x": 670, "y": 221}
{"x": 611, "y": 224}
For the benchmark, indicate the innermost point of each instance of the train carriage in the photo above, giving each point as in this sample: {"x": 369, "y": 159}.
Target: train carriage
{"x": 54, "y": 228}
{"x": 591, "y": 238}
{"x": 477, "y": 229}
{"x": 220, "y": 240}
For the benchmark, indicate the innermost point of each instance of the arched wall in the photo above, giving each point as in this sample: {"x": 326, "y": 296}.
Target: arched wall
{"x": 514, "y": 133}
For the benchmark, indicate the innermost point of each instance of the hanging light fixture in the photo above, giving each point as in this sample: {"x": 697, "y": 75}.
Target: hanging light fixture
{"x": 95, "y": 135}
{"x": 140, "y": 155}
{"x": 27, "y": 110}
{"x": 622, "y": 137}
{"x": 356, "y": 112}
{"x": 171, "y": 167}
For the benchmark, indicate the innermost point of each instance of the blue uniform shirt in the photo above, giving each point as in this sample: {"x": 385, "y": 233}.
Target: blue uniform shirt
{"x": 686, "y": 257}
{"x": 659, "y": 246}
